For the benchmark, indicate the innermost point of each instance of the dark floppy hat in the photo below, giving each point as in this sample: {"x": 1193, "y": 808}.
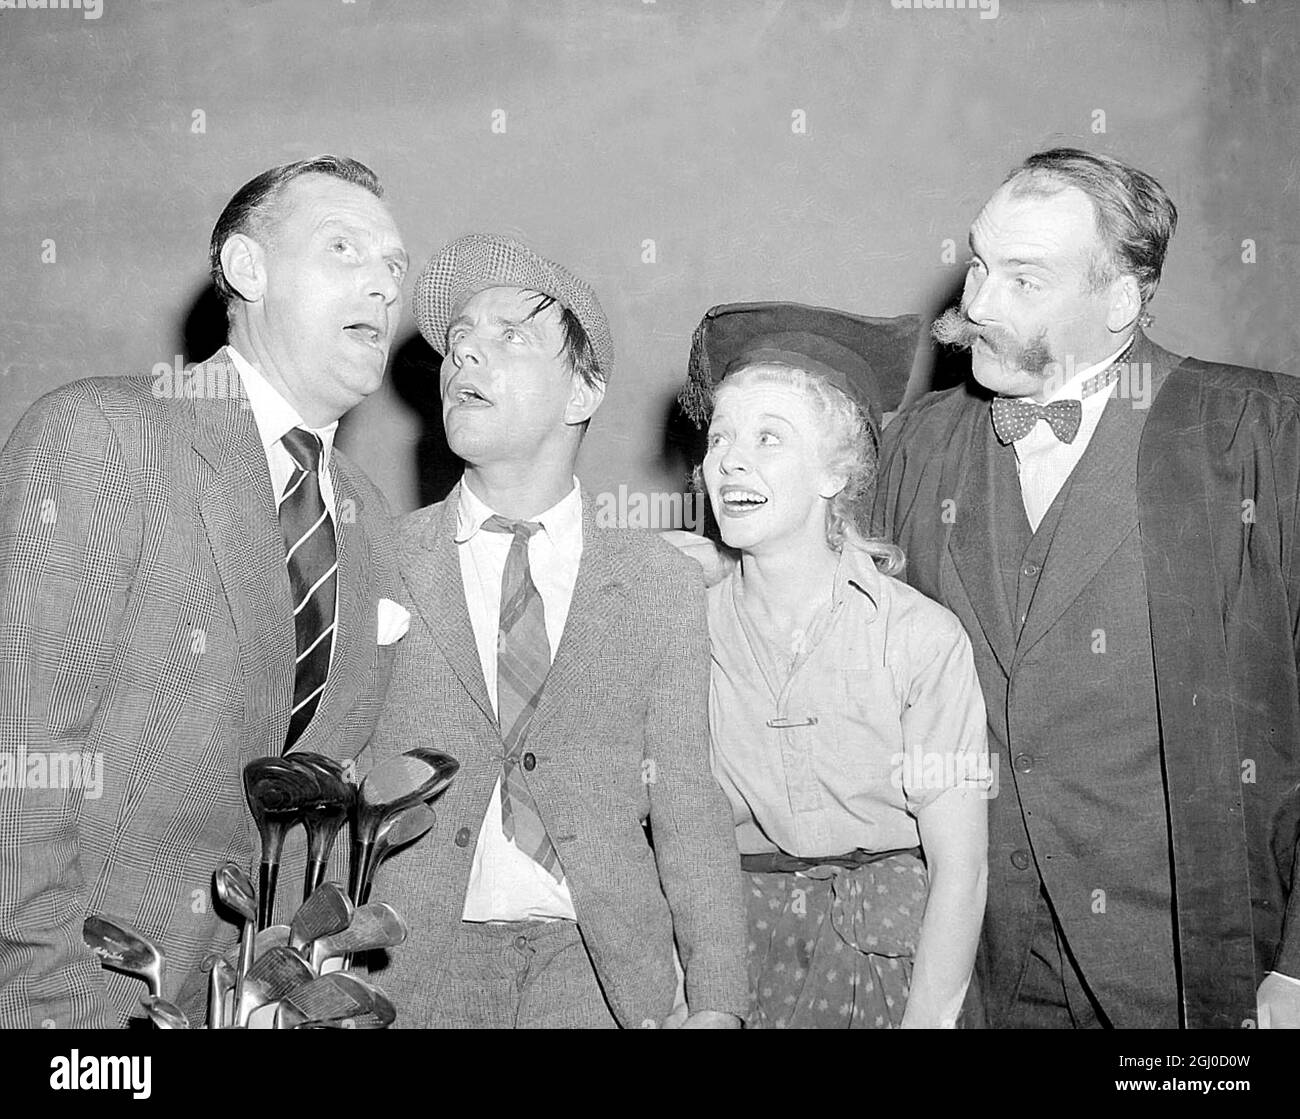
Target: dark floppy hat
{"x": 869, "y": 359}
{"x": 477, "y": 261}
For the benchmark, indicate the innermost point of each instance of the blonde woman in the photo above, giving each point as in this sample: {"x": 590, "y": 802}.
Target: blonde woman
{"x": 847, "y": 725}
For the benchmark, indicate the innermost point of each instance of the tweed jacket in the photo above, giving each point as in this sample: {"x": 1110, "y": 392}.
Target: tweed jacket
{"x": 1216, "y": 502}
{"x": 147, "y": 622}
{"x": 620, "y": 739}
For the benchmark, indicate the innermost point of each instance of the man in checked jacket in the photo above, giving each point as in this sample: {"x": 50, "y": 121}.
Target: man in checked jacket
{"x": 565, "y": 666}
{"x": 190, "y": 580}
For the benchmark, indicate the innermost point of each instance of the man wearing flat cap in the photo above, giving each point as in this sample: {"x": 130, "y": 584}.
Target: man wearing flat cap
{"x": 566, "y": 667}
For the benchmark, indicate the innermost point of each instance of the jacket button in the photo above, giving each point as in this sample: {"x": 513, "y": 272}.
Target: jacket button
{"x": 1024, "y": 763}
{"x": 530, "y": 762}
{"x": 1020, "y": 859}
{"x": 462, "y": 837}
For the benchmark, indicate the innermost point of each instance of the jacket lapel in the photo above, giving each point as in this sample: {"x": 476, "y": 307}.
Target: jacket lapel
{"x": 356, "y": 632}
{"x": 1100, "y": 501}
{"x": 237, "y": 509}
{"x": 431, "y": 572}
{"x": 972, "y": 544}
{"x": 598, "y": 595}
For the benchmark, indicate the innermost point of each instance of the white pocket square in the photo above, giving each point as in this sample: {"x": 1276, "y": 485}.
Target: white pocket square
{"x": 394, "y": 621}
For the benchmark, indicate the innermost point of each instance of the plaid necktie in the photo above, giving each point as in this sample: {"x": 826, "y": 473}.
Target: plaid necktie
{"x": 313, "y": 572}
{"x": 523, "y": 661}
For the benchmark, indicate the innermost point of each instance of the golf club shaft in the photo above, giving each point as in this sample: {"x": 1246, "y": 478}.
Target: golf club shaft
{"x": 247, "y": 943}
{"x": 267, "y": 874}
{"x": 359, "y": 869}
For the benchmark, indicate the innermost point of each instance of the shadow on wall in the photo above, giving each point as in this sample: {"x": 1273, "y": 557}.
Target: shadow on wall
{"x": 414, "y": 376}
{"x": 937, "y": 367}
{"x": 204, "y": 331}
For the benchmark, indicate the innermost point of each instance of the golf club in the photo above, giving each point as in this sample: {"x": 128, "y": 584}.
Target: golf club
{"x": 221, "y": 990}
{"x": 278, "y": 793}
{"x": 337, "y": 997}
{"x": 122, "y": 947}
{"x": 395, "y": 832}
{"x": 272, "y": 976}
{"x": 235, "y": 891}
{"x": 163, "y": 1014}
{"x": 374, "y": 926}
{"x": 328, "y": 910}
{"x": 393, "y": 786}
{"x": 326, "y": 816}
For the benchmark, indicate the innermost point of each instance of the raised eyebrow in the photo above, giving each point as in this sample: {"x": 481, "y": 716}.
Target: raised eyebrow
{"x": 525, "y": 324}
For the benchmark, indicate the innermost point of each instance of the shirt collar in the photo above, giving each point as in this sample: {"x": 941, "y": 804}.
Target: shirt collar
{"x": 1073, "y": 388}
{"x": 562, "y": 522}
{"x": 273, "y": 414}
{"x": 858, "y": 579}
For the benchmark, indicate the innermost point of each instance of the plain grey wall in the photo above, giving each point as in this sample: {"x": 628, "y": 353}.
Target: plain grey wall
{"x": 628, "y": 121}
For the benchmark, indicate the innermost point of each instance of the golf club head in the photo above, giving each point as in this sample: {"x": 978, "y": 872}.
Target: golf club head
{"x": 442, "y": 768}
{"x": 324, "y": 818}
{"x": 278, "y": 793}
{"x": 273, "y": 975}
{"x": 263, "y": 1017}
{"x": 373, "y": 926}
{"x": 273, "y": 936}
{"x": 390, "y": 788}
{"x": 221, "y": 991}
{"x": 406, "y": 828}
{"x": 163, "y": 1014}
{"x": 326, "y": 911}
{"x": 122, "y": 947}
{"x": 337, "y": 997}
{"x": 394, "y": 833}
{"x": 234, "y": 889}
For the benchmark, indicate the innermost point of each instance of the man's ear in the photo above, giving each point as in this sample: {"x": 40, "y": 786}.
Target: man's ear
{"x": 244, "y": 263}
{"x": 1125, "y": 304}
{"x": 584, "y": 399}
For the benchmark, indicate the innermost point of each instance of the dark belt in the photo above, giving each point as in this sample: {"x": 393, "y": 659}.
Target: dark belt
{"x": 778, "y": 862}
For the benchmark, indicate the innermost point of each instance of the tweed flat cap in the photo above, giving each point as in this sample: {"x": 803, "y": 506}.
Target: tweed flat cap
{"x": 869, "y": 359}
{"x": 478, "y": 261}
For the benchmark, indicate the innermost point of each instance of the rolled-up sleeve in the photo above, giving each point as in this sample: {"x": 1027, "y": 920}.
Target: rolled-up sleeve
{"x": 945, "y": 728}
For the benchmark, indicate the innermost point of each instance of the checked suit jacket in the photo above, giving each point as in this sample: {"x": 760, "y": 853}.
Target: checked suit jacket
{"x": 145, "y": 616}
{"x": 620, "y": 737}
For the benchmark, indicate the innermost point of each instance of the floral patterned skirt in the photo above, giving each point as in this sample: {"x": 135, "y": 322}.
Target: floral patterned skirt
{"x": 831, "y": 947}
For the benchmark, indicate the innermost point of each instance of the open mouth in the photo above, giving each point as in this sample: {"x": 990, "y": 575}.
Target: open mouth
{"x": 468, "y": 396}
{"x": 367, "y": 334}
{"x": 737, "y": 501}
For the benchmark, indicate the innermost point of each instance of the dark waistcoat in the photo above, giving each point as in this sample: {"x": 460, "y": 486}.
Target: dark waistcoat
{"x": 1082, "y": 809}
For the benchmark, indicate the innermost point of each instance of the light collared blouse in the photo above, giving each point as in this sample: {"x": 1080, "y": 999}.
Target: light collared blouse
{"x": 837, "y": 745}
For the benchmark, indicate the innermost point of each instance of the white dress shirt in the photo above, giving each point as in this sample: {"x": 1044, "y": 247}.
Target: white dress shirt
{"x": 504, "y": 883}
{"x": 1043, "y": 461}
{"x": 275, "y": 417}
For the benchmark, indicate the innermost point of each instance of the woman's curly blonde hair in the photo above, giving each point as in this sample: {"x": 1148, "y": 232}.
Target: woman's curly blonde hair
{"x": 851, "y": 446}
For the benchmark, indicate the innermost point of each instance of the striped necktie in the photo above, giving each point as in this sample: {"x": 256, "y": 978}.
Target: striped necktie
{"x": 523, "y": 661}
{"x": 313, "y": 572}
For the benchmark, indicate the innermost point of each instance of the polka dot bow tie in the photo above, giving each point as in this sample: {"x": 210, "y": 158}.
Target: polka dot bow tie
{"x": 1014, "y": 418}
